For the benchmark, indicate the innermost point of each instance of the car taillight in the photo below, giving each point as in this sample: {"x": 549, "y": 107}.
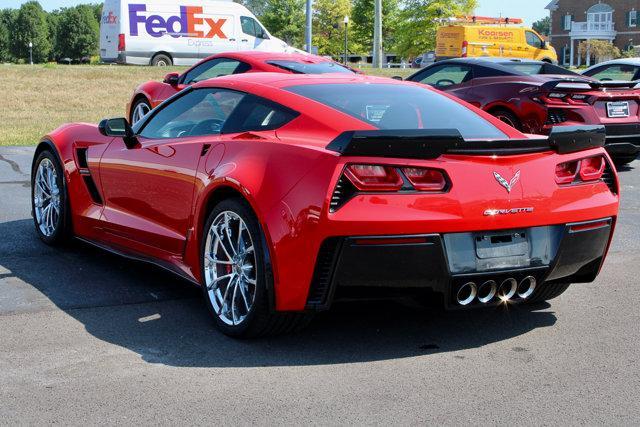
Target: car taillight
{"x": 425, "y": 179}
{"x": 121, "y": 42}
{"x": 566, "y": 172}
{"x": 583, "y": 170}
{"x": 592, "y": 168}
{"x": 374, "y": 177}
{"x": 465, "y": 45}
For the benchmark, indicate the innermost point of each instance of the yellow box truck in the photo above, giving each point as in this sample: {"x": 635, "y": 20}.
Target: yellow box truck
{"x": 456, "y": 41}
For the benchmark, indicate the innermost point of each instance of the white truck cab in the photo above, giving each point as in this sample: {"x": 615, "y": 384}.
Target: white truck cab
{"x": 179, "y": 32}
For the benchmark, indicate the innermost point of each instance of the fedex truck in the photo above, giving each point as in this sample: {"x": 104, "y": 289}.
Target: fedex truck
{"x": 179, "y": 32}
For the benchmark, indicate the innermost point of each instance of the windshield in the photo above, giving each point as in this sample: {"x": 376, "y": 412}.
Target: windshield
{"x": 533, "y": 68}
{"x": 400, "y": 106}
{"x": 311, "y": 68}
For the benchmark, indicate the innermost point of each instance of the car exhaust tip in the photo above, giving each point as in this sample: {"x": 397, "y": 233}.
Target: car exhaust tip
{"x": 487, "y": 291}
{"x": 507, "y": 289}
{"x": 466, "y": 293}
{"x": 526, "y": 287}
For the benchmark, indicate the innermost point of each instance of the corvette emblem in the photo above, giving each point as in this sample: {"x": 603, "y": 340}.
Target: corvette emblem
{"x": 508, "y": 185}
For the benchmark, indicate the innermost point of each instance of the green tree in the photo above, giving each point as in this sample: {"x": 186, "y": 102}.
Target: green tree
{"x": 257, "y": 7}
{"x": 602, "y": 50}
{"x": 328, "y": 25}
{"x": 79, "y": 32}
{"x": 419, "y": 21}
{"x": 53, "y": 25}
{"x": 7, "y": 18}
{"x": 543, "y": 26}
{"x": 285, "y": 19}
{"x": 362, "y": 16}
{"x": 31, "y": 26}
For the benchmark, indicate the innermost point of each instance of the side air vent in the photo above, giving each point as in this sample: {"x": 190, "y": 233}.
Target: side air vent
{"x": 555, "y": 116}
{"x": 609, "y": 178}
{"x": 82, "y": 158}
{"x": 93, "y": 190}
{"x": 344, "y": 191}
{"x": 320, "y": 289}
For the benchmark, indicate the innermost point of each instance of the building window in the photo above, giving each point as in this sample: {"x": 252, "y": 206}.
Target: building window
{"x": 633, "y": 18}
{"x": 566, "y": 55}
{"x": 567, "y": 23}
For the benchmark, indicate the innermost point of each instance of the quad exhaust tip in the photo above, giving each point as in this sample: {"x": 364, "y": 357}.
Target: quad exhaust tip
{"x": 526, "y": 287}
{"x": 467, "y": 293}
{"x": 487, "y": 291}
{"x": 508, "y": 289}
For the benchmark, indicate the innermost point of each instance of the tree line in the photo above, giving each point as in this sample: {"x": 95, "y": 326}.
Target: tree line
{"x": 409, "y": 26}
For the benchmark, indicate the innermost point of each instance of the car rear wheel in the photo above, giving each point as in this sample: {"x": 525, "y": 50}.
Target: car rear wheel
{"x": 233, "y": 270}
{"x": 161, "y": 60}
{"x": 49, "y": 200}
{"x": 507, "y": 117}
{"x": 140, "y": 109}
{"x": 547, "y": 292}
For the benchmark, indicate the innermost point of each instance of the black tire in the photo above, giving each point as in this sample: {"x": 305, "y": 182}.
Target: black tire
{"x": 161, "y": 60}
{"x": 507, "y": 117}
{"x": 62, "y": 229}
{"x": 261, "y": 319}
{"x": 136, "y": 104}
{"x": 547, "y": 292}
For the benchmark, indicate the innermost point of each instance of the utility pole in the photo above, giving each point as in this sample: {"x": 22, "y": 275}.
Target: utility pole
{"x": 377, "y": 34}
{"x": 346, "y": 39}
{"x": 308, "y": 27}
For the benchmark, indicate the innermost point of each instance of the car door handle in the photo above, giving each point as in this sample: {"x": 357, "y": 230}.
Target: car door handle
{"x": 244, "y": 40}
{"x": 232, "y": 40}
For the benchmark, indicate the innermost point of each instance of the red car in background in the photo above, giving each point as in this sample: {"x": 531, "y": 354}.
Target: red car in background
{"x": 535, "y": 96}
{"x": 279, "y": 194}
{"x": 148, "y": 95}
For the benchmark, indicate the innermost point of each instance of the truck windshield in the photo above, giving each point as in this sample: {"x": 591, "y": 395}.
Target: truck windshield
{"x": 400, "y": 106}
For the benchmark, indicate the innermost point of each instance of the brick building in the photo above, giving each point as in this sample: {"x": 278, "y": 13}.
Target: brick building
{"x": 574, "y": 21}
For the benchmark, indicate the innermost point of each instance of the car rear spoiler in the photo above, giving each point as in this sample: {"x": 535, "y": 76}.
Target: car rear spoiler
{"x": 432, "y": 143}
{"x": 582, "y": 84}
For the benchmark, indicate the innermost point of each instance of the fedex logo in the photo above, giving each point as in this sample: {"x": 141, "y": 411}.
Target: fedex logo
{"x": 183, "y": 25}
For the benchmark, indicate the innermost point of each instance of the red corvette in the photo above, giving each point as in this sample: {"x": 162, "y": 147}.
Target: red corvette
{"x": 535, "y": 96}
{"x": 148, "y": 95}
{"x": 280, "y": 193}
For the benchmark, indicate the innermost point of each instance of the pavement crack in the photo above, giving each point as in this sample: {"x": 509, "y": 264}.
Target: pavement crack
{"x": 15, "y": 166}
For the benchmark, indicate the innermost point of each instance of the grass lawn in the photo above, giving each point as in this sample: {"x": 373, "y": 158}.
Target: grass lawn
{"x": 39, "y": 98}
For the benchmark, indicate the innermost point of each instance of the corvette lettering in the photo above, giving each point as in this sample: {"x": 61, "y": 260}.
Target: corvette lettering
{"x": 189, "y": 23}
{"x": 512, "y": 211}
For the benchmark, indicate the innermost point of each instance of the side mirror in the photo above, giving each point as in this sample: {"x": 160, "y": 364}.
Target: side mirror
{"x": 172, "y": 79}
{"x": 397, "y": 78}
{"x": 119, "y": 127}
{"x": 544, "y": 45}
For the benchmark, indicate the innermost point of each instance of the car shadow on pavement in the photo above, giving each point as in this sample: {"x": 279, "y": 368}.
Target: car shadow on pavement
{"x": 164, "y": 319}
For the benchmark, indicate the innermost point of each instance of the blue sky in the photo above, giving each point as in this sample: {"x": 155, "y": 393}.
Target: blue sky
{"x": 530, "y": 10}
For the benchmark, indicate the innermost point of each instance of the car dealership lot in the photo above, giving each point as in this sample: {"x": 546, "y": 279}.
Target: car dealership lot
{"x": 86, "y": 336}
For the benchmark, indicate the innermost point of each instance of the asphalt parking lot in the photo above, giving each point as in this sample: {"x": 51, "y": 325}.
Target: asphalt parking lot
{"x": 87, "y": 337}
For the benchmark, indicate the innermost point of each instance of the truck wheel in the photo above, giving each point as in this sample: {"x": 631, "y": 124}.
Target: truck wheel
{"x": 161, "y": 60}
{"x": 507, "y": 117}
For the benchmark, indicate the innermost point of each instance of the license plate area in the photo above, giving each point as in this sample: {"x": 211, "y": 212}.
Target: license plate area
{"x": 497, "y": 245}
{"x": 618, "y": 109}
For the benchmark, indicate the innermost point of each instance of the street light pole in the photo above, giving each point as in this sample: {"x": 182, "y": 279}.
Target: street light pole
{"x": 31, "y": 53}
{"x": 308, "y": 27}
{"x": 377, "y": 34}
{"x": 346, "y": 39}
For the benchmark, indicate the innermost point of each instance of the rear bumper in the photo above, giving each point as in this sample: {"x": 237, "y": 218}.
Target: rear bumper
{"x": 623, "y": 140}
{"x": 442, "y": 263}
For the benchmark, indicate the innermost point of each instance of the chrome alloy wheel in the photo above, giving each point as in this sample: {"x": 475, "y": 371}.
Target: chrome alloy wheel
{"x": 46, "y": 198}
{"x": 230, "y": 268}
{"x": 140, "y": 110}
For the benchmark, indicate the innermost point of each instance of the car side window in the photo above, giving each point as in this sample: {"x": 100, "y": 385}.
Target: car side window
{"x": 196, "y": 113}
{"x": 534, "y": 40}
{"x": 445, "y": 75}
{"x": 258, "y": 114}
{"x": 215, "y": 68}
{"x": 252, "y": 28}
{"x": 614, "y": 72}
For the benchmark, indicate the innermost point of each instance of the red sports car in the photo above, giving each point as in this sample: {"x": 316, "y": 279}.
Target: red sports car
{"x": 535, "y": 96}
{"x": 280, "y": 193}
{"x": 148, "y": 95}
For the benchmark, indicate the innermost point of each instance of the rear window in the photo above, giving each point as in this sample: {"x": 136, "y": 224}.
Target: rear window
{"x": 533, "y": 68}
{"x": 310, "y": 68}
{"x": 396, "y": 106}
